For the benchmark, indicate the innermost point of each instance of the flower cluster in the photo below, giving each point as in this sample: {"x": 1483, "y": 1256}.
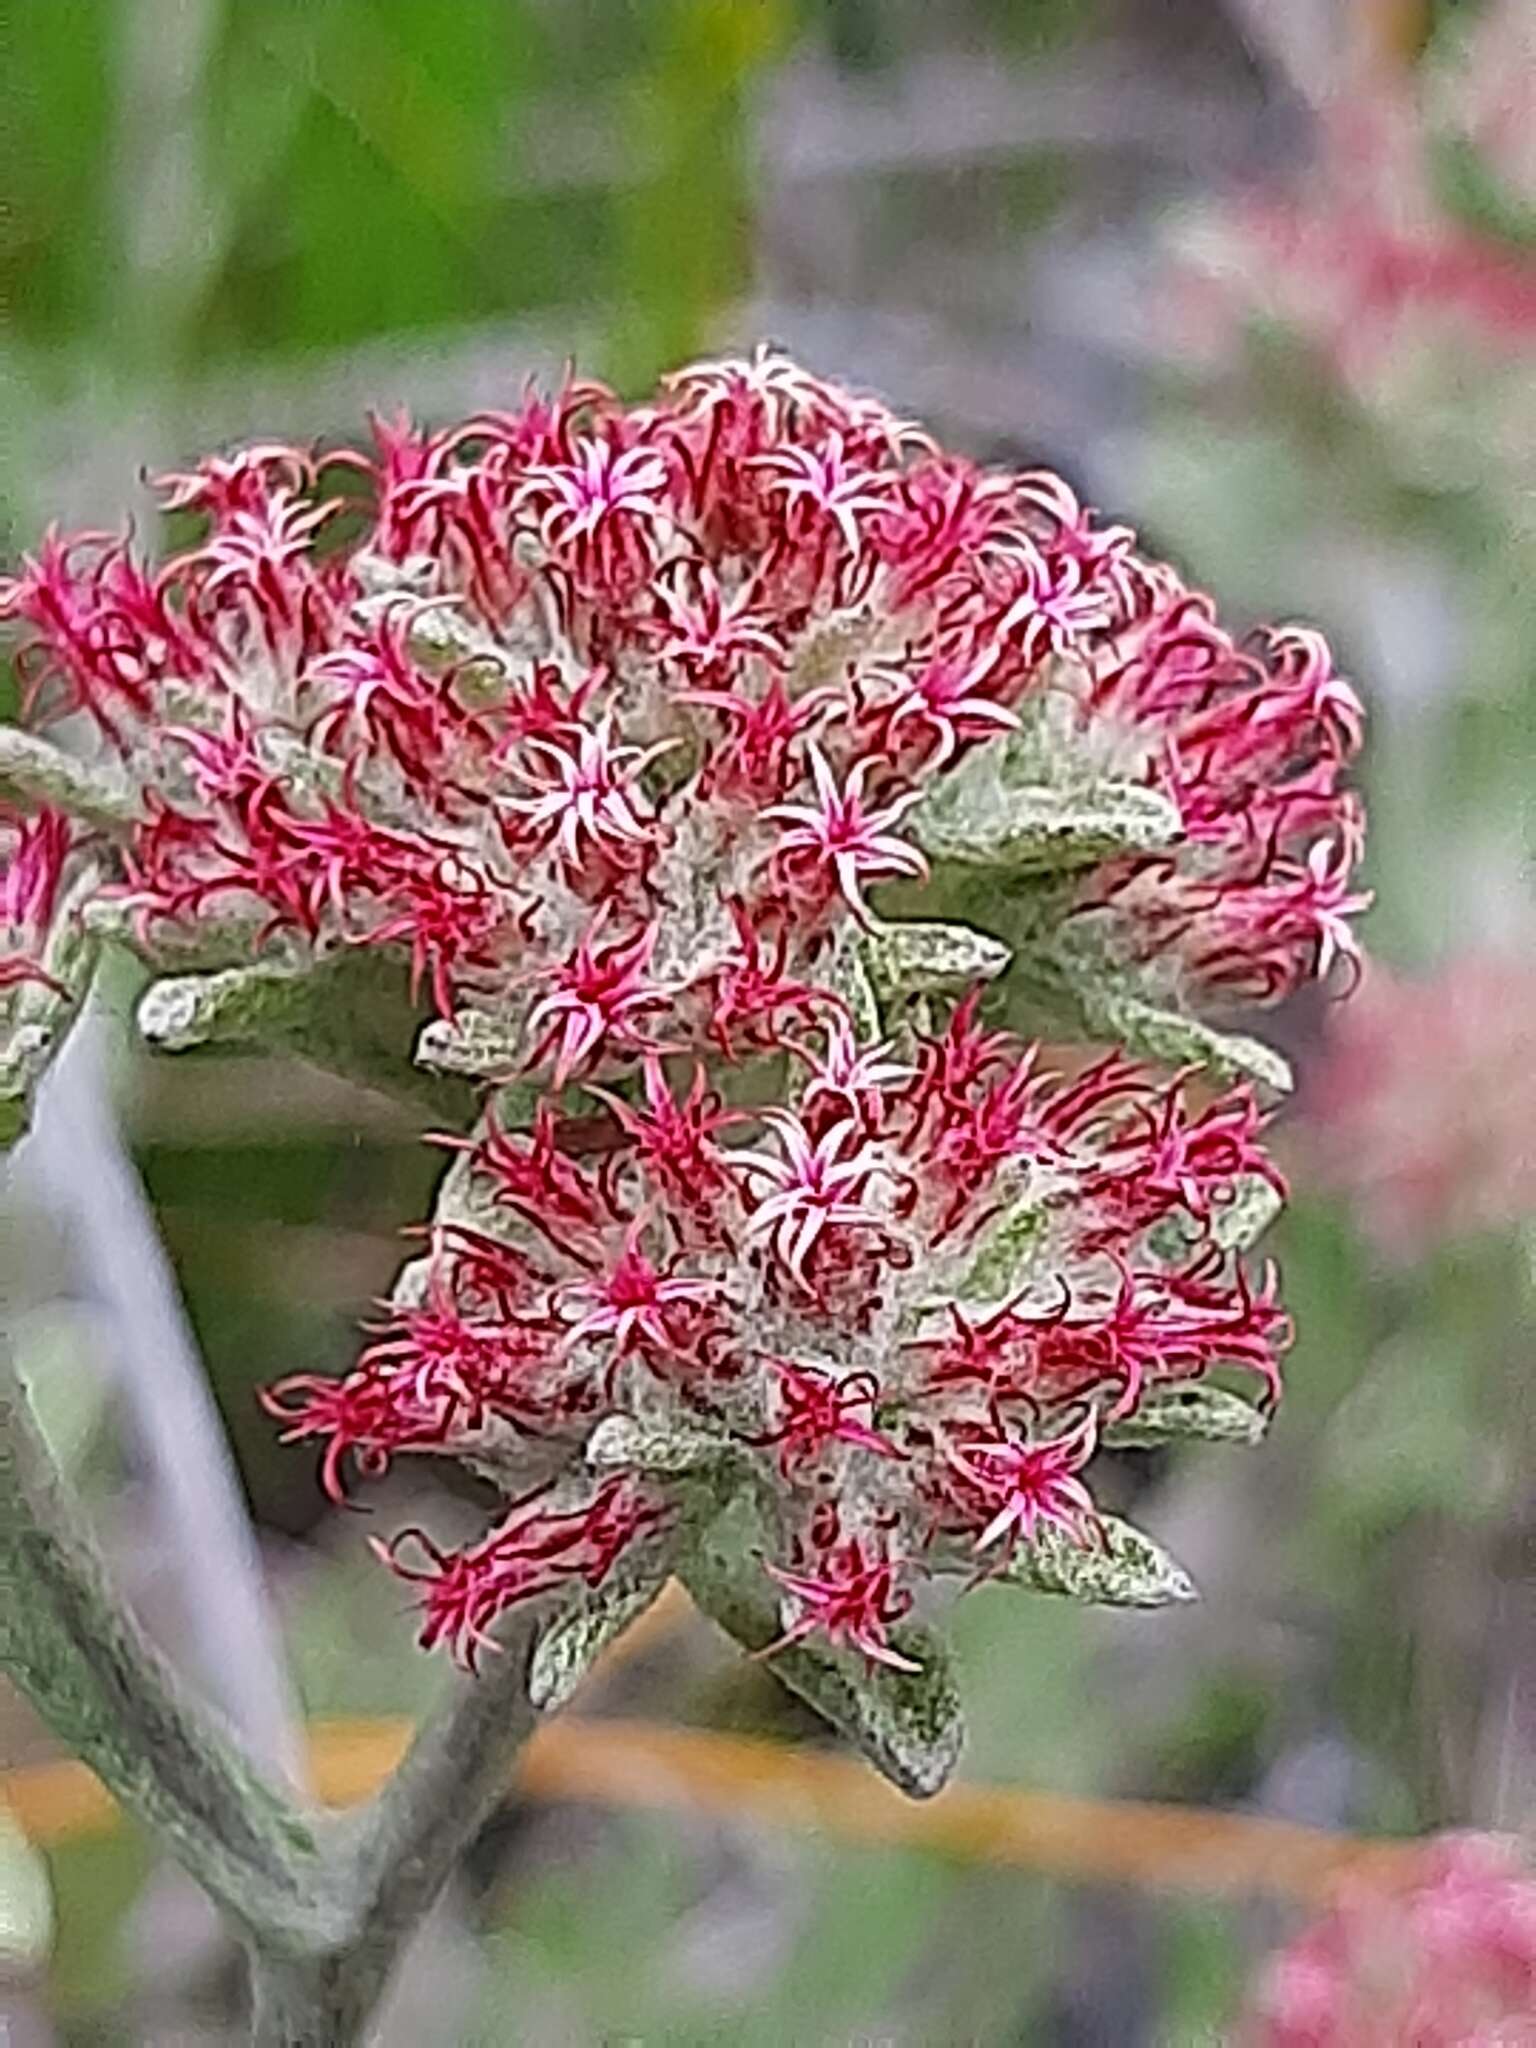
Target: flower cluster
{"x": 605, "y": 723}
{"x": 615, "y": 714}
{"x": 1251, "y": 745}
{"x": 45, "y": 870}
{"x": 1449, "y": 1963}
{"x": 901, "y": 1311}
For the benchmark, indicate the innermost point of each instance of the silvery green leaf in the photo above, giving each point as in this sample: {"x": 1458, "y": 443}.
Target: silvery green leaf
{"x": 35, "y": 772}
{"x": 212, "y": 942}
{"x": 574, "y": 1640}
{"x": 1200, "y": 1414}
{"x": 1254, "y": 1206}
{"x": 1067, "y": 978}
{"x": 625, "y": 1443}
{"x": 1178, "y": 1041}
{"x": 978, "y": 818}
{"x": 350, "y": 1011}
{"x": 907, "y": 1723}
{"x": 1123, "y": 1568}
{"x": 848, "y": 976}
{"x": 930, "y": 959}
{"x": 1005, "y": 1254}
{"x": 238, "y": 1006}
{"x": 473, "y": 1043}
{"x": 1233, "y": 1225}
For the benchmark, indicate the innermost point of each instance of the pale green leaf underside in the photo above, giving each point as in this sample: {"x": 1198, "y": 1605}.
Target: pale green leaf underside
{"x": 1038, "y": 829}
{"x": 907, "y": 1724}
{"x": 1123, "y": 1568}
{"x": 930, "y": 959}
{"x": 1189, "y": 1414}
{"x": 572, "y": 1643}
{"x": 1073, "y": 982}
{"x": 1178, "y": 1041}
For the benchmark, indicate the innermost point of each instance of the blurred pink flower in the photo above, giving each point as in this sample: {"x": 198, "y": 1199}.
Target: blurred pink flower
{"x": 1448, "y": 1963}
{"x": 1400, "y": 256}
{"x": 1424, "y": 1111}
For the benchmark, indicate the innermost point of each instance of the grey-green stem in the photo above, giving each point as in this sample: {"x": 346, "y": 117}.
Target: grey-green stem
{"x": 395, "y": 1856}
{"x": 324, "y": 1904}
{"x": 81, "y": 1166}
{"x": 70, "y": 1644}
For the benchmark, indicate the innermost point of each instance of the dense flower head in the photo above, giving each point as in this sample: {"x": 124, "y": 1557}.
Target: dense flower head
{"x": 1447, "y": 1962}
{"x": 598, "y": 709}
{"x": 904, "y": 1311}
{"x": 613, "y": 726}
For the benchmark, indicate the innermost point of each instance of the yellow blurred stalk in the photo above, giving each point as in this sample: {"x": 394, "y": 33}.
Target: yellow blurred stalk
{"x": 756, "y": 1781}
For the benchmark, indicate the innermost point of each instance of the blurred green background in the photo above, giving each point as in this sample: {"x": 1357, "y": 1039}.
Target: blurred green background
{"x": 227, "y": 218}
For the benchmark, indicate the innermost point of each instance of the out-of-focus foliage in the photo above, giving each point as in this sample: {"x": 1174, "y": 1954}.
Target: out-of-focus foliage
{"x": 1400, "y": 510}
{"x": 197, "y": 186}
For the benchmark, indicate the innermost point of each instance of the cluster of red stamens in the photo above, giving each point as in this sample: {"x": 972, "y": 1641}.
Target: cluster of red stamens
{"x": 34, "y": 852}
{"x": 585, "y": 654}
{"x": 818, "y": 1303}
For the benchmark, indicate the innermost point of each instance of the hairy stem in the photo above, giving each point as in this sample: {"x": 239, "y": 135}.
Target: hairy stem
{"x": 72, "y": 1647}
{"x": 399, "y": 1852}
{"x": 326, "y": 1906}
{"x": 78, "y": 1154}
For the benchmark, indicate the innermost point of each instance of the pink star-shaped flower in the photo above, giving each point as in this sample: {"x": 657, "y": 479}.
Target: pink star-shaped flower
{"x": 583, "y": 790}
{"x": 857, "y": 844}
{"x": 813, "y": 1185}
